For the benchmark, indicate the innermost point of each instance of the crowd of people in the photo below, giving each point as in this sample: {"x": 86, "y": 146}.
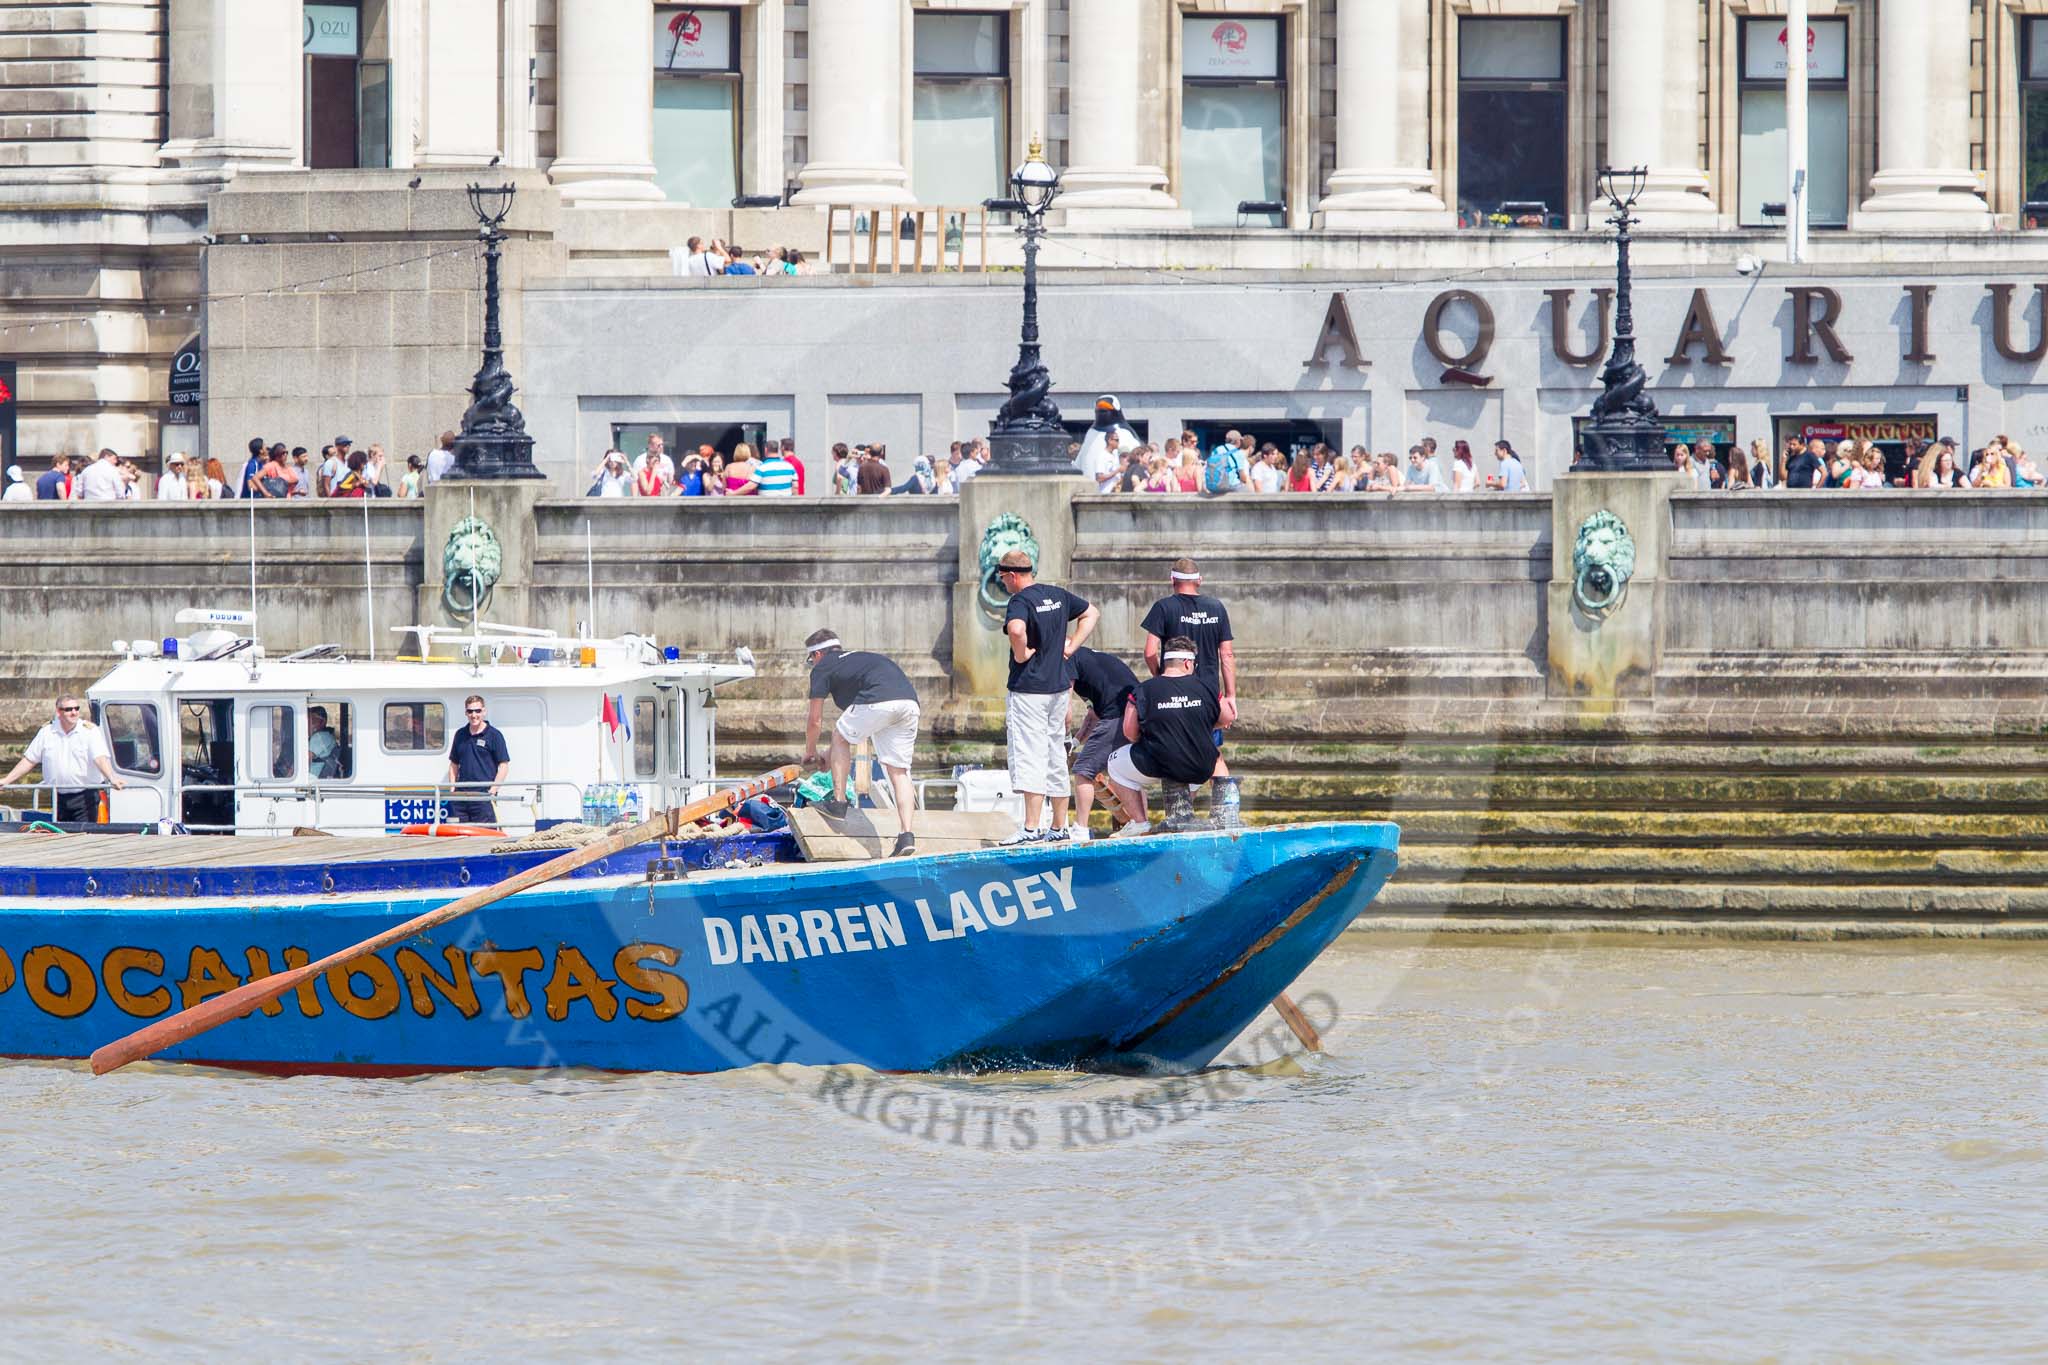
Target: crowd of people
{"x": 714, "y": 257}
{"x": 1818, "y": 463}
{"x": 271, "y": 470}
{"x": 775, "y": 470}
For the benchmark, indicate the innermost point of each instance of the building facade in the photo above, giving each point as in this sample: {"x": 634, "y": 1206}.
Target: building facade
{"x": 270, "y": 190}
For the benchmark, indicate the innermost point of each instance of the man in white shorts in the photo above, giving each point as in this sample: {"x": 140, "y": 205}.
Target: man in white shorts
{"x": 876, "y": 702}
{"x": 1170, "y": 722}
{"x": 1046, "y": 624}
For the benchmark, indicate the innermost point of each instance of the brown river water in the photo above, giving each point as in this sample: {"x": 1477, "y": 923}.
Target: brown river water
{"x": 1561, "y": 1148}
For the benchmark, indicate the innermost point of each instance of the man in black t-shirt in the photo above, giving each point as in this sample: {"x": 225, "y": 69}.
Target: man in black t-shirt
{"x": 477, "y": 760}
{"x": 1038, "y": 622}
{"x": 1188, "y": 612}
{"x": 877, "y": 702}
{"x": 1803, "y": 468}
{"x": 1170, "y": 722}
{"x": 1105, "y": 682}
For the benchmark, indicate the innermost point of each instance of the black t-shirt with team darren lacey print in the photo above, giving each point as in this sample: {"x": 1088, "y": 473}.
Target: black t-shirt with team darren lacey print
{"x": 1045, "y": 611}
{"x": 858, "y": 678}
{"x": 1199, "y": 617}
{"x": 1176, "y": 728}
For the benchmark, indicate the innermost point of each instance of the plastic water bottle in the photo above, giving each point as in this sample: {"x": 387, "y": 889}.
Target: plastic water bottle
{"x": 633, "y": 804}
{"x": 590, "y": 811}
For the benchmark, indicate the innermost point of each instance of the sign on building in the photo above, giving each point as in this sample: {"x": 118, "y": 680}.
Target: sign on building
{"x": 186, "y": 386}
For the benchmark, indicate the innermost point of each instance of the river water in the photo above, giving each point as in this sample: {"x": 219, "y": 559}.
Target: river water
{"x": 1560, "y": 1148}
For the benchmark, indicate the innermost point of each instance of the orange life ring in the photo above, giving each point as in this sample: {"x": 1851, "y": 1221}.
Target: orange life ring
{"x": 446, "y": 831}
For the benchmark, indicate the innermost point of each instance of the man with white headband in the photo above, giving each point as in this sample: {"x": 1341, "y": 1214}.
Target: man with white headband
{"x": 1188, "y": 611}
{"x": 877, "y": 702}
{"x": 1170, "y": 722}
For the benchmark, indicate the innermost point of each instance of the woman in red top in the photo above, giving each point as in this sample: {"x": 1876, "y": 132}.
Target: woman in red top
{"x": 1300, "y": 478}
{"x": 647, "y": 479}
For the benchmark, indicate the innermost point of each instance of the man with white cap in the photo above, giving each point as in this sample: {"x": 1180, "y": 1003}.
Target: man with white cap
{"x": 1170, "y": 722}
{"x": 876, "y": 702}
{"x": 18, "y": 489}
{"x": 172, "y": 487}
{"x": 1189, "y": 612}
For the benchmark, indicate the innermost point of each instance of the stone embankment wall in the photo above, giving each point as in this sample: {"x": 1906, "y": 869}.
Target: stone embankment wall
{"x": 1808, "y": 705}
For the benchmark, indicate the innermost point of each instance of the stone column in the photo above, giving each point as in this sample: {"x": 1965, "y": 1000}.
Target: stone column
{"x": 1105, "y": 106}
{"x": 1923, "y": 181}
{"x": 604, "y": 101}
{"x": 856, "y": 117}
{"x": 1383, "y": 178}
{"x": 1653, "y": 109}
{"x": 459, "y": 97}
{"x": 252, "y": 108}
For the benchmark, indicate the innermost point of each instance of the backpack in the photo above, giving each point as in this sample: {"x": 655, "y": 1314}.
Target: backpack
{"x": 1219, "y": 471}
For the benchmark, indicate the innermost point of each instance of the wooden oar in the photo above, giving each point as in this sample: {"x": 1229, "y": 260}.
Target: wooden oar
{"x": 1291, "y": 1014}
{"x": 147, "y": 1042}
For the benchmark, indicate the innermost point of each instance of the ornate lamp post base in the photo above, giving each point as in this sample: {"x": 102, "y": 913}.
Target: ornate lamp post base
{"x": 493, "y": 455}
{"x": 1029, "y": 452}
{"x": 1626, "y": 444}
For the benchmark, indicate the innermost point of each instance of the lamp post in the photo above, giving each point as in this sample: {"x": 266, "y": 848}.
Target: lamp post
{"x": 493, "y": 443}
{"x": 1626, "y": 433}
{"x": 1027, "y": 436}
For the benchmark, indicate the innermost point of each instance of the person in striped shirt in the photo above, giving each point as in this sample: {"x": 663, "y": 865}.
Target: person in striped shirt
{"x": 774, "y": 474}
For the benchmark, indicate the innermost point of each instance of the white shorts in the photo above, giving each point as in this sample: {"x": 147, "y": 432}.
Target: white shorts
{"x": 892, "y": 725}
{"x": 1037, "y": 726}
{"x": 1125, "y": 773}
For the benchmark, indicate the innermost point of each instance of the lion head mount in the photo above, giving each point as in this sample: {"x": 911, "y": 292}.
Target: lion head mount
{"x": 1005, "y": 533}
{"x": 1603, "y": 561}
{"x": 470, "y": 567}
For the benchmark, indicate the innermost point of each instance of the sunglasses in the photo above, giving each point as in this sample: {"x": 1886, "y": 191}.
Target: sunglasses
{"x": 474, "y": 711}
{"x": 67, "y": 709}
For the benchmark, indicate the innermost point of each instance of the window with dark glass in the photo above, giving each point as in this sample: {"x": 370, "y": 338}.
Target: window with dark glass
{"x": 1761, "y": 177}
{"x": 132, "y": 736}
{"x": 1233, "y": 118}
{"x": 2034, "y": 112}
{"x": 643, "y": 737}
{"x": 415, "y": 727}
{"x": 960, "y": 107}
{"x": 347, "y": 47}
{"x": 1513, "y": 122}
{"x": 696, "y": 105}
{"x": 271, "y": 755}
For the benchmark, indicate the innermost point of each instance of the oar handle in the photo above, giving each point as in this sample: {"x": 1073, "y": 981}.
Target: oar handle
{"x": 208, "y": 1014}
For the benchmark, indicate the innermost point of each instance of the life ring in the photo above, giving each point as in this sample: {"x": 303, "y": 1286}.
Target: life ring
{"x": 446, "y": 831}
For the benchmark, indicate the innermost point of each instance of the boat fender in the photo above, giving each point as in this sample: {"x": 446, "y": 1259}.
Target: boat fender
{"x": 454, "y": 831}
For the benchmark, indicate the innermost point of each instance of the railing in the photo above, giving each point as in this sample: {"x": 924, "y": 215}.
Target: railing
{"x": 907, "y": 224}
{"x": 318, "y": 795}
{"x": 36, "y": 809}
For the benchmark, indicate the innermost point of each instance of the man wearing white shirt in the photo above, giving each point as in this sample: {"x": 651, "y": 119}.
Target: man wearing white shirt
{"x": 102, "y": 481}
{"x": 172, "y": 486}
{"x": 699, "y": 261}
{"x": 69, "y": 748}
{"x": 439, "y": 462}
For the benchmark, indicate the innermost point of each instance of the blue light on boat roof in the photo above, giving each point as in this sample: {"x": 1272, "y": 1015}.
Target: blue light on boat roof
{"x": 170, "y": 646}
{"x": 671, "y": 654}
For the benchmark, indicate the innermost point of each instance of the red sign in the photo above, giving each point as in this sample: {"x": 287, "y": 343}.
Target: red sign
{"x": 1230, "y": 36}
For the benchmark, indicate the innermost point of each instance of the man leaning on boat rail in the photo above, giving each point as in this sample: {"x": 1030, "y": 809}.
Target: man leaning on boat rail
{"x": 69, "y": 748}
{"x": 877, "y": 702}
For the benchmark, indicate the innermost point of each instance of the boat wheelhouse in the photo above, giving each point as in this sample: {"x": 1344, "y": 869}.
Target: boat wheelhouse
{"x": 210, "y": 733}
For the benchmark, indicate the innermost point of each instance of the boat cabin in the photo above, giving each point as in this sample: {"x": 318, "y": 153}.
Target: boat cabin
{"x": 210, "y": 733}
